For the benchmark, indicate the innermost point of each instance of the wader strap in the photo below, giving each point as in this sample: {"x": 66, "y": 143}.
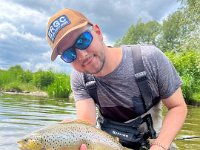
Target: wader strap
{"x": 141, "y": 77}
{"x": 90, "y": 83}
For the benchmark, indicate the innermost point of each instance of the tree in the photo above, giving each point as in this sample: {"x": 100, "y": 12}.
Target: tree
{"x": 192, "y": 20}
{"x": 173, "y": 31}
{"x": 16, "y": 70}
{"x": 141, "y": 33}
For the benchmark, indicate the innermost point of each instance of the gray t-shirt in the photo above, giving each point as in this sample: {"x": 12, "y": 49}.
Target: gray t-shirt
{"x": 118, "y": 93}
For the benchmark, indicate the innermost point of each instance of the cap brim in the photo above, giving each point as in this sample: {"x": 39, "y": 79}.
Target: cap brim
{"x": 55, "y": 52}
{"x": 54, "y": 55}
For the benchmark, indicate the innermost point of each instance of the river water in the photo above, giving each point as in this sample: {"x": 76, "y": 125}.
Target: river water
{"x": 20, "y": 115}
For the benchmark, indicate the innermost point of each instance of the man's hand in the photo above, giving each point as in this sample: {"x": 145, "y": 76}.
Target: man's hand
{"x": 83, "y": 147}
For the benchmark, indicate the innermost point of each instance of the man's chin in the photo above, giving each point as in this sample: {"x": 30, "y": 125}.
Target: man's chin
{"x": 95, "y": 70}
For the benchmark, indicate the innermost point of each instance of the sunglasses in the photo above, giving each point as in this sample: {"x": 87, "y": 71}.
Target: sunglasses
{"x": 81, "y": 43}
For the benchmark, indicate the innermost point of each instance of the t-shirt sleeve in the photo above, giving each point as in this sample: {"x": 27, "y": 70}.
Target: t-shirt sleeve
{"x": 163, "y": 71}
{"x": 78, "y": 86}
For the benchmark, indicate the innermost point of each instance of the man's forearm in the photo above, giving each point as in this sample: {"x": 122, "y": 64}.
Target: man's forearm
{"x": 172, "y": 123}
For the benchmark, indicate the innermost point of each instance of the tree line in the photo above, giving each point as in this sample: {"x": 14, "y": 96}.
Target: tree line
{"x": 178, "y": 32}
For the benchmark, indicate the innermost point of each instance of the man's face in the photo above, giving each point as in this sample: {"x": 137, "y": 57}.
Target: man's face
{"x": 90, "y": 60}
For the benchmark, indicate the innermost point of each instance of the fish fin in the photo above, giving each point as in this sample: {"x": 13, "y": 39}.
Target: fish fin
{"x": 78, "y": 121}
{"x": 83, "y": 121}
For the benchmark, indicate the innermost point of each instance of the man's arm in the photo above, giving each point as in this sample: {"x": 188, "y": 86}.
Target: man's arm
{"x": 86, "y": 110}
{"x": 174, "y": 119}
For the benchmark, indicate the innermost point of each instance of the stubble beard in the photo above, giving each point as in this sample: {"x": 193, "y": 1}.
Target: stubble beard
{"x": 99, "y": 68}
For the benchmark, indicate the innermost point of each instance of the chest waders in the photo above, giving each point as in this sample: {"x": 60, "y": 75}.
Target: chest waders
{"x": 129, "y": 133}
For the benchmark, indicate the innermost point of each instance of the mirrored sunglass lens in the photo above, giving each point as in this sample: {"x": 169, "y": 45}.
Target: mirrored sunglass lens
{"x": 69, "y": 55}
{"x": 84, "y": 41}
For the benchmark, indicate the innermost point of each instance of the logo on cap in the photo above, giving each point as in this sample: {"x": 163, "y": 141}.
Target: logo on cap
{"x": 56, "y": 26}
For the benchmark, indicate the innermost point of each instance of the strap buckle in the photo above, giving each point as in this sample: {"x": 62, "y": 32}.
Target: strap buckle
{"x": 91, "y": 85}
{"x": 141, "y": 76}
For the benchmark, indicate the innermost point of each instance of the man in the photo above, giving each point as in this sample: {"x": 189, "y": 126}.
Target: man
{"x": 79, "y": 42}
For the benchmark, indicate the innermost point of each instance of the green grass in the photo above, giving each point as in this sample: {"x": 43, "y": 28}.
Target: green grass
{"x": 15, "y": 79}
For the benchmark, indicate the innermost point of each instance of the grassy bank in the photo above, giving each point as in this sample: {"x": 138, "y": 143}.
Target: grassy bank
{"x": 15, "y": 79}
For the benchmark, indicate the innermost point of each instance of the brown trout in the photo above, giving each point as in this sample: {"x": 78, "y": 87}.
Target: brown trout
{"x": 69, "y": 136}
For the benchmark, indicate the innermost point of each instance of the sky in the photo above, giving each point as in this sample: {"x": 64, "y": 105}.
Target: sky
{"x": 23, "y": 25}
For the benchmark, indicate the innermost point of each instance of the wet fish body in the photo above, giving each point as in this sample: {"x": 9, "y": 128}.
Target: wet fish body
{"x": 69, "y": 136}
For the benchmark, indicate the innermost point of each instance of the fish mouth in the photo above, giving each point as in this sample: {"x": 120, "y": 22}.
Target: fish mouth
{"x": 29, "y": 146}
{"x": 20, "y": 143}
{"x": 21, "y": 146}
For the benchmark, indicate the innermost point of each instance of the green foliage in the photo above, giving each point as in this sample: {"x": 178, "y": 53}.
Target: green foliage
{"x": 141, "y": 33}
{"x": 187, "y": 62}
{"x": 6, "y": 77}
{"x": 196, "y": 97}
{"x": 60, "y": 87}
{"x": 25, "y": 77}
{"x": 193, "y": 8}
{"x": 173, "y": 31}
{"x": 16, "y": 70}
{"x": 13, "y": 87}
{"x": 42, "y": 79}
{"x": 181, "y": 29}
{"x": 187, "y": 87}
{"x": 192, "y": 21}
{"x": 15, "y": 79}
{"x": 188, "y": 66}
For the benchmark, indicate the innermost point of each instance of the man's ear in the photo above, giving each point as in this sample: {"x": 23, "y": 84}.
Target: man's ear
{"x": 97, "y": 30}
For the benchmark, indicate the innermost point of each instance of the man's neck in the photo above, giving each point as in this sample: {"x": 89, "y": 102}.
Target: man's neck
{"x": 113, "y": 59}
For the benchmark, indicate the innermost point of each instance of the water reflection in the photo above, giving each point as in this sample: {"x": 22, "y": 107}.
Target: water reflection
{"x": 20, "y": 115}
{"x": 191, "y": 128}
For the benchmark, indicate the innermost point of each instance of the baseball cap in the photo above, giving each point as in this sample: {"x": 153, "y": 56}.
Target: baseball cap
{"x": 61, "y": 24}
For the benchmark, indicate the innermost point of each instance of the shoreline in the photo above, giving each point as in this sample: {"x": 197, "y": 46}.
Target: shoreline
{"x": 45, "y": 94}
{"x": 36, "y": 93}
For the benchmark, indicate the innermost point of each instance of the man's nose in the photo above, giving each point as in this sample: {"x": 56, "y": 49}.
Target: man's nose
{"x": 81, "y": 54}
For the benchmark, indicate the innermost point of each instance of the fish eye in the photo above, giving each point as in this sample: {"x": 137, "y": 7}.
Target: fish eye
{"x": 25, "y": 140}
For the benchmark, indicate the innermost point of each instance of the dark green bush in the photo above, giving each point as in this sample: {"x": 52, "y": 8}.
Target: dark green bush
{"x": 187, "y": 64}
{"x": 13, "y": 87}
{"x": 60, "y": 87}
{"x": 42, "y": 79}
{"x": 25, "y": 77}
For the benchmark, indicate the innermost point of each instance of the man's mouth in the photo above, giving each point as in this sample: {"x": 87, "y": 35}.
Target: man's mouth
{"x": 88, "y": 60}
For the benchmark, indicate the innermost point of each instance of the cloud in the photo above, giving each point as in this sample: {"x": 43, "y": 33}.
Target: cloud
{"x": 23, "y": 25}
